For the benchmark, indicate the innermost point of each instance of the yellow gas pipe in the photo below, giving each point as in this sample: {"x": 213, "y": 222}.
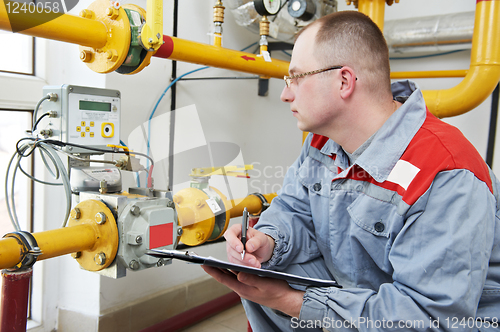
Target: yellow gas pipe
{"x": 66, "y": 28}
{"x": 53, "y": 243}
{"x": 95, "y": 240}
{"x": 251, "y": 202}
{"x": 484, "y": 72}
{"x": 429, "y": 74}
{"x": 208, "y": 55}
{"x": 375, "y": 9}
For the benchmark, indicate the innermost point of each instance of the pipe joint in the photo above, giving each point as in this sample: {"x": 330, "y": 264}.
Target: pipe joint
{"x": 219, "y": 12}
{"x": 264, "y": 26}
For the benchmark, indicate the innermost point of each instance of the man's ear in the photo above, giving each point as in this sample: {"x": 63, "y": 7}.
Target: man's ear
{"x": 348, "y": 82}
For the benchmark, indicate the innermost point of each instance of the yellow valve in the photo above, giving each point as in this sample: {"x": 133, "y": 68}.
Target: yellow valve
{"x": 195, "y": 216}
{"x": 152, "y": 31}
{"x": 204, "y": 212}
{"x": 226, "y": 170}
{"x": 118, "y": 147}
{"x": 198, "y": 220}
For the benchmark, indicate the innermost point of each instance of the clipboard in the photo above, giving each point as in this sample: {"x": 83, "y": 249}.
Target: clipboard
{"x": 191, "y": 257}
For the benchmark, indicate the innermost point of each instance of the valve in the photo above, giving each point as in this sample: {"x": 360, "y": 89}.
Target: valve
{"x": 218, "y": 20}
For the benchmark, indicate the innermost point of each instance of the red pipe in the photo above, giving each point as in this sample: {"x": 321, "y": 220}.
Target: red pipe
{"x": 196, "y": 314}
{"x": 15, "y": 291}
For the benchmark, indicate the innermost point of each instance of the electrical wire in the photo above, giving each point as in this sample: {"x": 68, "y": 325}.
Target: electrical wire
{"x": 14, "y": 221}
{"x": 283, "y": 5}
{"x": 49, "y": 151}
{"x": 244, "y": 49}
{"x": 87, "y": 160}
{"x": 107, "y": 151}
{"x": 62, "y": 144}
{"x": 165, "y": 91}
{"x": 38, "y": 180}
{"x": 64, "y": 178}
{"x": 38, "y": 121}
{"x": 137, "y": 177}
{"x": 36, "y": 109}
{"x": 158, "y": 102}
{"x": 12, "y": 169}
{"x": 47, "y": 167}
{"x": 427, "y": 55}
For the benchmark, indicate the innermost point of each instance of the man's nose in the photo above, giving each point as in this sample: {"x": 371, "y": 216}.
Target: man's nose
{"x": 287, "y": 95}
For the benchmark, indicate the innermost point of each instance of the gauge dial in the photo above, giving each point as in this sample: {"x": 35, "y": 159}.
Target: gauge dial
{"x": 267, "y": 7}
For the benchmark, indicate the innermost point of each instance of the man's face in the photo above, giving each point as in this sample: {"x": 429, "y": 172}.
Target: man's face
{"x": 311, "y": 98}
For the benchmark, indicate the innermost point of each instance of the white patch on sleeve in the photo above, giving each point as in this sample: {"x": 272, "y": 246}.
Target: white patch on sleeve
{"x": 403, "y": 173}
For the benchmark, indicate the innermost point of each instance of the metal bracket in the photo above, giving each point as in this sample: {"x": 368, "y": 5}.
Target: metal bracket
{"x": 265, "y": 203}
{"x": 30, "y": 248}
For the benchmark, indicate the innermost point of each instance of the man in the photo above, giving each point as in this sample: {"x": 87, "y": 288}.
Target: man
{"x": 391, "y": 202}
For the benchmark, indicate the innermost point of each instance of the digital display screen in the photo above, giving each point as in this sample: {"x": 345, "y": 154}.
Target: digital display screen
{"x": 86, "y": 105}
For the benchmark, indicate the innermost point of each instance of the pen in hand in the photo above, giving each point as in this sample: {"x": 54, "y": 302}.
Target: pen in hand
{"x": 244, "y": 227}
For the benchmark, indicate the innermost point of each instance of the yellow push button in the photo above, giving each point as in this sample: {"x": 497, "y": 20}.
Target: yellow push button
{"x": 83, "y": 123}
{"x": 87, "y": 129}
{"x": 91, "y": 123}
{"x": 91, "y": 134}
{"x": 83, "y": 134}
{"x": 78, "y": 129}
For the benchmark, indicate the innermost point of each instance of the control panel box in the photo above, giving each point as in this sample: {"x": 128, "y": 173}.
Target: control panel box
{"x": 85, "y": 116}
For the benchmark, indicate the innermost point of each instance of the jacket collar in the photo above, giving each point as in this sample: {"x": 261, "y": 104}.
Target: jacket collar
{"x": 392, "y": 139}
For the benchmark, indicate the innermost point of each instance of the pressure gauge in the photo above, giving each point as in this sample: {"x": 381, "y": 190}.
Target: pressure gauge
{"x": 267, "y": 7}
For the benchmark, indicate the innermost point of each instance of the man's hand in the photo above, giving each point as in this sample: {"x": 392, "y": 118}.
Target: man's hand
{"x": 272, "y": 293}
{"x": 259, "y": 246}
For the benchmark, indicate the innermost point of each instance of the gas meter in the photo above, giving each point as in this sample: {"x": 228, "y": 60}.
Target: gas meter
{"x": 85, "y": 116}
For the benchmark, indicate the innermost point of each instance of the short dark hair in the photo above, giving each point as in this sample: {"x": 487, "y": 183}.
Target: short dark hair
{"x": 351, "y": 38}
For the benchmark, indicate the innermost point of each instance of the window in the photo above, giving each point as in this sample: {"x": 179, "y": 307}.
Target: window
{"x": 17, "y": 53}
{"x": 12, "y": 127}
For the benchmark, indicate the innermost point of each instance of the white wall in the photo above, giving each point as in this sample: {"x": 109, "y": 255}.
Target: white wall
{"x": 227, "y": 111}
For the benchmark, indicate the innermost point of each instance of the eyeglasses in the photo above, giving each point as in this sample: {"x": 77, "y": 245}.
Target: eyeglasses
{"x": 288, "y": 79}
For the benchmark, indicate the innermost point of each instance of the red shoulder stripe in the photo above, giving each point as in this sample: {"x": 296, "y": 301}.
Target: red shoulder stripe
{"x": 436, "y": 147}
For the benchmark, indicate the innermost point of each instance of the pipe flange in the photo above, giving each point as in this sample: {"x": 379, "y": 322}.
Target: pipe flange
{"x": 110, "y": 57}
{"x": 265, "y": 204}
{"x": 31, "y": 251}
{"x": 101, "y": 218}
